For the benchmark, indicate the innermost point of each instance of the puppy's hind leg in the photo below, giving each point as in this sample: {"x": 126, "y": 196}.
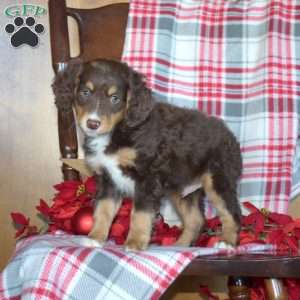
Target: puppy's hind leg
{"x": 146, "y": 201}
{"x": 223, "y": 198}
{"x": 140, "y": 230}
{"x": 192, "y": 217}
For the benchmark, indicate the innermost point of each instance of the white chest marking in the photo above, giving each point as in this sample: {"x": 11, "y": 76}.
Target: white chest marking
{"x": 98, "y": 159}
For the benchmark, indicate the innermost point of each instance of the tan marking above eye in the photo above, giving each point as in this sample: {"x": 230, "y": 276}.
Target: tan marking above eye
{"x": 112, "y": 90}
{"x": 90, "y": 85}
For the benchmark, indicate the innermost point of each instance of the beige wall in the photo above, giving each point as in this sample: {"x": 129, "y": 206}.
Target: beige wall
{"x": 29, "y": 156}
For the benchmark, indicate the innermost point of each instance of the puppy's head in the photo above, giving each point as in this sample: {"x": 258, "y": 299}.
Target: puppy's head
{"x": 103, "y": 93}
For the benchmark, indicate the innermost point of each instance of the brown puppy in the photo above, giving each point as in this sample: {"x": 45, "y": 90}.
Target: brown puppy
{"x": 148, "y": 150}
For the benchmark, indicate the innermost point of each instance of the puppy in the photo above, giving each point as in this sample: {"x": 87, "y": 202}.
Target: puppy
{"x": 148, "y": 150}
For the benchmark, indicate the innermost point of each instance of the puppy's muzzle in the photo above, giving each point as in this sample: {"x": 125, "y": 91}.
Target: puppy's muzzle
{"x": 93, "y": 124}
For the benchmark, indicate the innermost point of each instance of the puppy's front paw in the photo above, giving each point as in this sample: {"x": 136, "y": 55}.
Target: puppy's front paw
{"x": 98, "y": 237}
{"x": 89, "y": 242}
{"x": 230, "y": 236}
{"x": 223, "y": 245}
{"x": 136, "y": 244}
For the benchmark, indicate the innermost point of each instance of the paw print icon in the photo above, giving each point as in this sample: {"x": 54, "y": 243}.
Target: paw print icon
{"x": 24, "y": 31}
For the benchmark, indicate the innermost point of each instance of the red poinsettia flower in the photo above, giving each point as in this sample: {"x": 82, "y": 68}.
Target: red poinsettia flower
{"x": 71, "y": 196}
{"x": 163, "y": 233}
{"x": 43, "y": 208}
{"x": 213, "y": 223}
{"x": 248, "y": 237}
{"x": 69, "y": 190}
{"x": 293, "y": 226}
{"x": 22, "y": 223}
{"x": 256, "y": 218}
{"x": 260, "y": 226}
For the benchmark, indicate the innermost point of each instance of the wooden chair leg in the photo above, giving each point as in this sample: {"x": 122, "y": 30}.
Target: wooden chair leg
{"x": 275, "y": 289}
{"x": 238, "y": 289}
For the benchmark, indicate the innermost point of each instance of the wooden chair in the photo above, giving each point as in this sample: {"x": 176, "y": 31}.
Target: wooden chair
{"x": 102, "y": 32}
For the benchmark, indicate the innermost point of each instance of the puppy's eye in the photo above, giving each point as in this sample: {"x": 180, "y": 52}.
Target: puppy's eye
{"x": 114, "y": 99}
{"x": 85, "y": 92}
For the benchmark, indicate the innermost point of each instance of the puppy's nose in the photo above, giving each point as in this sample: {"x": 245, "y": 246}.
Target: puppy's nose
{"x": 93, "y": 124}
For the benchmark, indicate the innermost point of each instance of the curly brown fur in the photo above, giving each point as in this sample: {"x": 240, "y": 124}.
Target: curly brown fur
{"x": 150, "y": 150}
{"x": 64, "y": 86}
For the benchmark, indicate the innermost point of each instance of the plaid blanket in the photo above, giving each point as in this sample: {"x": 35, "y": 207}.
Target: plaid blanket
{"x": 238, "y": 60}
{"x": 62, "y": 267}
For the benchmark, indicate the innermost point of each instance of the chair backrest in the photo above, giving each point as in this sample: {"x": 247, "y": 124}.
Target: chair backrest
{"x": 101, "y": 35}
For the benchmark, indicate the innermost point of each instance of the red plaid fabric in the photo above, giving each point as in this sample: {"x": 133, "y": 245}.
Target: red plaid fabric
{"x": 238, "y": 60}
{"x": 62, "y": 267}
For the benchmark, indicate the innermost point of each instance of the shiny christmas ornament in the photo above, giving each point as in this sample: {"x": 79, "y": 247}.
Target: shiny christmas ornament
{"x": 82, "y": 221}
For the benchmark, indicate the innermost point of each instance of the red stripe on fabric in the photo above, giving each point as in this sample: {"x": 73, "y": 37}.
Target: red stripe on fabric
{"x": 47, "y": 267}
{"x": 153, "y": 259}
{"x": 218, "y": 6}
{"x": 216, "y": 69}
{"x": 60, "y": 255}
{"x": 226, "y": 86}
{"x": 200, "y": 74}
{"x": 152, "y": 24}
{"x": 271, "y": 51}
{"x": 142, "y": 36}
{"x": 64, "y": 260}
{"x": 220, "y": 95}
{"x": 241, "y": 86}
{"x": 284, "y": 176}
{"x": 282, "y": 165}
{"x": 174, "y": 270}
{"x": 207, "y": 93}
{"x": 133, "y": 36}
{"x": 75, "y": 266}
{"x": 271, "y": 147}
{"x": 210, "y": 48}
{"x": 132, "y": 261}
{"x": 196, "y": 15}
{"x": 219, "y": 110}
{"x": 40, "y": 293}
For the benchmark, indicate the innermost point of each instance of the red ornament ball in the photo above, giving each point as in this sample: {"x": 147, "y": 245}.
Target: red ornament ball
{"x": 82, "y": 221}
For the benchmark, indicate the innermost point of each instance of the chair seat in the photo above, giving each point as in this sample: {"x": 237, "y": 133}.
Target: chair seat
{"x": 252, "y": 265}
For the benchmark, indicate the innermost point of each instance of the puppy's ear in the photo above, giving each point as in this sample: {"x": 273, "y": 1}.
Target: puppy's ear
{"x": 65, "y": 84}
{"x": 139, "y": 99}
